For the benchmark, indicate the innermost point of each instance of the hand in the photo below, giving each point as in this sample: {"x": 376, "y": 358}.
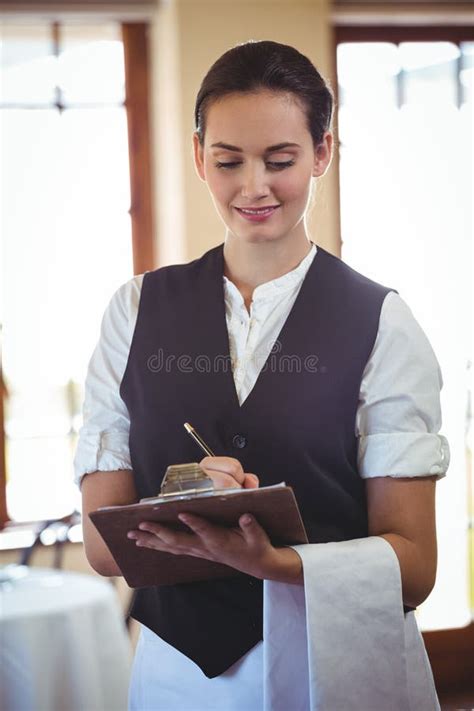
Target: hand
{"x": 246, "y": 548}
{"x": 228, "y": 472}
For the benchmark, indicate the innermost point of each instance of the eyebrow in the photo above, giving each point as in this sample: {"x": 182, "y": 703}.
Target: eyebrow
{"x": 270, "y": 149}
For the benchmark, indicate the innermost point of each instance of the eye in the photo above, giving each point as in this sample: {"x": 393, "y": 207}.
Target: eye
{"x": 273, "y": 165}
{"x": 280, "y": 165}
{"x": 232, "y": 164}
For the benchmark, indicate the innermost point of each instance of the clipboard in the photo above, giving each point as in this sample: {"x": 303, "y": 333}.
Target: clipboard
{"x": 274, "y": 507}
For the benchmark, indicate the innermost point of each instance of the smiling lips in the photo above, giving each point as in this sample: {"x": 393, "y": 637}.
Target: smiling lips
{"x": 257, "y": 214}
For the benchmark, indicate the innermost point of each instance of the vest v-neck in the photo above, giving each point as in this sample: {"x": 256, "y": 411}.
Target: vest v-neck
{"x": 218, "y": 276}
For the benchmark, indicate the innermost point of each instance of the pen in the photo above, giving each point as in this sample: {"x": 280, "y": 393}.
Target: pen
{"x": 198, "y": 439}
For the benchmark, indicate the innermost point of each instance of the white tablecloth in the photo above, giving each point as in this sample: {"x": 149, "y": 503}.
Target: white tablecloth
{"x": 63, "y": 644}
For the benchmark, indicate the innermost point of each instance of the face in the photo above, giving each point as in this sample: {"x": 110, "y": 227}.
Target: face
{"x": 258, "y": 160}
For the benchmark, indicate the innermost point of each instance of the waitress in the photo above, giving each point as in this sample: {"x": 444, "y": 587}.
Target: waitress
{"x": 291, "y": 365}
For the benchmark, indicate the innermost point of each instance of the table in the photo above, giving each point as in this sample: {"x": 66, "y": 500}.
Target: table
{"x": 63, "y": 643}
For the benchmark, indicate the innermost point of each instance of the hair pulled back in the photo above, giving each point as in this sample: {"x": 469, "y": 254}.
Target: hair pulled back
{"x": 264, "y": 64}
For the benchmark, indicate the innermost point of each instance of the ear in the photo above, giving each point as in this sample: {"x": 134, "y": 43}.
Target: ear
{"x": 323, "y": 155}
{"x": 198, "y": 157}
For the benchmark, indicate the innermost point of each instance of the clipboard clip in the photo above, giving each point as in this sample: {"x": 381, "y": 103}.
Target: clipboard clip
{"x": 185, "y": 479}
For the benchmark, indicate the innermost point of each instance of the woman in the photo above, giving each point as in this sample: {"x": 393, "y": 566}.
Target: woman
{"x": 333, "y": 388}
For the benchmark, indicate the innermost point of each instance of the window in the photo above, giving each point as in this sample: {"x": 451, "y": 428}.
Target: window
{"x": 67, "y": 244}
{"x": 405, "y": 128}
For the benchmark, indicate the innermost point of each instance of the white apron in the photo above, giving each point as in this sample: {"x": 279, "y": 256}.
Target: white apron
{"x": 340, "y": 643}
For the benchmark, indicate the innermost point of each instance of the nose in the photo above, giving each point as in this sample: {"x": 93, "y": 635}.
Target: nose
{"x": 254, "y": 182}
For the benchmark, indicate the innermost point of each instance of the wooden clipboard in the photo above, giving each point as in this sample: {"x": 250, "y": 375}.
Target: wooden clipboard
{"x": 274, "y": 507}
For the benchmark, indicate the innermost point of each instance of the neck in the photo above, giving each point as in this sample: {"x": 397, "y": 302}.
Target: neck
{"x": 249, "y": 264}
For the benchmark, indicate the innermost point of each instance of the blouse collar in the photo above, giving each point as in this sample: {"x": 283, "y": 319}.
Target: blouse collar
{"x": 279, "y": 286}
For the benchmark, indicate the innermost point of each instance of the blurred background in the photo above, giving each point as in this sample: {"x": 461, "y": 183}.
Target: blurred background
{"x": 97, "y": 183}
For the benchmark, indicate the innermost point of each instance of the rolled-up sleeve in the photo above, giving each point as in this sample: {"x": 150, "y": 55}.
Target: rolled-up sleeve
{"x": 103, "y": 438}
{"x": 399, "y": 413}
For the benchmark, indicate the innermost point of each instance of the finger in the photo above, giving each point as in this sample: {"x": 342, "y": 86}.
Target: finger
{"x": 149, "y": 540}
{"x": 223, "y": 481}
{"x": 251, "y": 481}
{"x": 201, "y": 527}
{"x": 225, "y": 465}
{"x": 169, "y": 536}
{"x": 253, "y": 532}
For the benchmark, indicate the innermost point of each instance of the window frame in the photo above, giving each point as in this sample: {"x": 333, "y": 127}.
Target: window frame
{"x": 137, "y": 103}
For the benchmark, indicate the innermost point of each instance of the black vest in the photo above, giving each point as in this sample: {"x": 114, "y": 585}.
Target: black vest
{"x": 297, "y": 424}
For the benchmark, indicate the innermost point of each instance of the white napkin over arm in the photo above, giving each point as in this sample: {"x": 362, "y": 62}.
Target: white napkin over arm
{"x": 342, "y": 642}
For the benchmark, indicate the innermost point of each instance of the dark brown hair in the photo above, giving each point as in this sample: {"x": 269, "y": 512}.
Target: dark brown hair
{"x": 257, "y": 65}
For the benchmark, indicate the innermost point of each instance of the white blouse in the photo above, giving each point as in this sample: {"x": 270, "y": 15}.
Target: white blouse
{"x": 398, "y": 417}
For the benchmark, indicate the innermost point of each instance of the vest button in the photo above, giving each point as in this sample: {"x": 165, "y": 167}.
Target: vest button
{"x": 239, "y": 441}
